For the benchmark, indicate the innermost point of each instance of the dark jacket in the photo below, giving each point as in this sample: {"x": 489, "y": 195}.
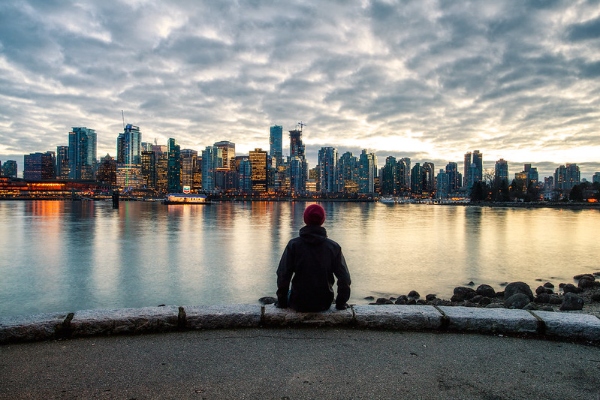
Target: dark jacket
{"x": 310, "y": 263}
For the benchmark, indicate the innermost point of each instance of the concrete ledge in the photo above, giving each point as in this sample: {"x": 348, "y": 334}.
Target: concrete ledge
{"x": 220, "y": 317}
{"x": 127, "y": 320}
{"x": 277, "y": 317}
{"x": 489, "y": 320}
{"x": 398, "y": 317}
{"x": 28, "y": 328}
{"x": 570, "y": 326}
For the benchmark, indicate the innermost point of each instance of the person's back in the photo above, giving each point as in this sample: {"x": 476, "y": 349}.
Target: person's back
{"x": 310, "y": 263}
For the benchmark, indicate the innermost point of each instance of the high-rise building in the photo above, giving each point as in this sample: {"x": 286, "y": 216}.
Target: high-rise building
{"x": 149, "y": 164}
{"x": 276, "y": 144}
{"x": 328, "y": 170}
{"x": 348, "y": 173}
{"x": 298, "y": 164}
{"x": 367, "y": 171}
{"x": 82, "y": 153}
{"x": 259, "y": 167}
{"x": 129, "y": 145}
{"x": 416, "y": 181}
{"x": 62, "y": 162}
{"x": 9, "y": 169}
{"x": 501, "y": 171}
{"x": 442, "y": 185}
{"x": 40, "y": 166}
{"x": 389, "y": 177}
{"x": 596, "y": 178}
{"x": 428, "y": 171}
{"x": 189, "y": 169}
{"x": 227, "y": 153}
{"x": 565, "y": 177}
{"x": 404, "y": 174}
{"x": 454, "y": 177}
{"x": 466, "y": 168}
{"x": 478, "y": 161}
{"x": 107, "y": 171}
{"x": 212, "y": 160}
{"x": 174, "y": 167}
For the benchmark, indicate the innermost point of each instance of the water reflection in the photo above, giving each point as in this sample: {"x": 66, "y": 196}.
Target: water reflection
{"x": 63, "y": 256}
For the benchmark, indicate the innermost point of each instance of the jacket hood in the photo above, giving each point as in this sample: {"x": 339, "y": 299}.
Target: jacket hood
{"x": 313, "y": 234}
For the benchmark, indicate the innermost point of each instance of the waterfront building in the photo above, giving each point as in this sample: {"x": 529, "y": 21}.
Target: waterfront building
{"x": 39, "y": 166}
{"x": 227, "y": 154}
{"x": 82, "y": 153}
{"x": 62, "y": 162}
{"x": 428, "y": 177}
{"x": 9, "y": 169}
{"x": 454, "y": 177}
{"x": 129, "y": 177}
{"x": 162, "y": 169}
{"x": 389, "y": 177}
{"x": 466, "y": 168}
{"x": 596, "y": 178}
{"x": 367, "y": 171}
{"x": 567, "y": 176}
{"x": 276, "y": 144}
{"x": 500, "y": 171}
{"x": 129, "y": 144}
{"x": 107, "y": 171}
{"x": 259, "y": 167}
{"x": 190, "y": 169}
{"x": 348, "y": 173}
{"x": 148, "y": 158}
{"x": 531, "y": 175}
{"x": 244, "y": 174}
{"x": 174, "y": 167}
{"x": 404, "y": 175}
{"x": 442, "y": 185}
{"x": 478, "y": 161}
{"x": 416, "y": 181}
{"x": 298, "y": 165}
{"x": 212, "y": 161}
{"x": 327, "y": 170}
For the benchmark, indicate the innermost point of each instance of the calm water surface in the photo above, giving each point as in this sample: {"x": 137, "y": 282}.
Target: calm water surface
{"x": 68, "y": 256}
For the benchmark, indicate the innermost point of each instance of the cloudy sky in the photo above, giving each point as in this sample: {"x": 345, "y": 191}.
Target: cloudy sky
{"x": 430, "y": 80}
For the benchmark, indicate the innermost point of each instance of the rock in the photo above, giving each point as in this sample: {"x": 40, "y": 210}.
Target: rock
{"x": 383, "y": 300}
{"x": 430, "y": 297}
{"x": 542, "y": 298}
{"x": 411, "y": 301}
{"x": 584, "y": 276}
{"x": 518, "y": 287}
{"x": 540, "y": 289}
{"x": 421, "y": 302}
{"x": 517, "y": 300}
{"x": 571, "y": 302}
{"x": 555, "y": 299}
{"x": 476, "y": 298}
{"x": 370, "y": 298}
{"x": 486, "y": 291}
{"x": 585, "y": 283}
{"x": 494, "y": 305}
{"x": 267, "y": 300}
{"x": 485, "y": 301}
{"x": 500, "y": 294}
{"x": 548, "y": 285}
{"x": 504, "y": 284}
{"x": 471, "y": 283}
{"x": 561, "y": 285}
{"x": 546, "y": 308}
{"x": 530, "y": 306}
{"x": 414, "y": 294}
{"x": 596, "y": 297}
{"x": 570, "y": 288}
{"x": 402, "y": 300}
{"x": 462, "y": 293}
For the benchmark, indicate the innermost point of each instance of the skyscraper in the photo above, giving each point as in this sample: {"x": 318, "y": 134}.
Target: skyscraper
{"x": 298, "y": 164}
{"x": 259, "y": 168}
{"x": 478, "y": 161}
{"x": 62, "y": 162}
{"x": 416, "y": 181}
{"x": 82, "y": 153}
{"x": 227, "y": 153}
{"x": 367, "y": 167}
{"x": 466, "y": 168}
{"x": 501, "y": 171}
{"x": 348, "y": 173}
{"x": 389, "y": 176}
{"x": 40, "y": 166}
{"x": 565, "y": 177}
{"x": 174, "y": 167}
{"x": 129, "y": 145}
{"x": 454, "y": 177}
{"x": 328, "y": 170}
{"x": 442, "y": 185}
{"x": 276, "y": 144}
{"x": 428, "y": 171}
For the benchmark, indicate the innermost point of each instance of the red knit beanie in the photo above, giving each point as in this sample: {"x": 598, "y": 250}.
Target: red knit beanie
{"x": 314, "y": 215}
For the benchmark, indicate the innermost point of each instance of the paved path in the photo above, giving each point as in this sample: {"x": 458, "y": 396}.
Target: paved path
{"x": 301, "y": 363}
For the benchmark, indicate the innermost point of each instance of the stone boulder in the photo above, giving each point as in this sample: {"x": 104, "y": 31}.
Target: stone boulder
{"x": 414, "y": 294}
{"x": 570, "y": 288}
{"x": 462, "y": 293}
{"x": 586, "y": 283}
{"x": 571, "y": 302}
{"x": 430, "y": 297}
{"x": 402, "y": 300}
{"x": 486, "y": 291}
{"x": 548, "y": 285}
{"x": 517, "y": 301}
{"x": 543, "y": 298}
{"x": 383, "y": 300}
{"x": 516, "y": 288}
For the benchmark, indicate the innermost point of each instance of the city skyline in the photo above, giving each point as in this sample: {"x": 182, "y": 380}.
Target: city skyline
{"x": 429, "y": 81}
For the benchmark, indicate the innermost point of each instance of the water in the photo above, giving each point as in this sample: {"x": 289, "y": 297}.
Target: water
{"x": 68, "y": 256}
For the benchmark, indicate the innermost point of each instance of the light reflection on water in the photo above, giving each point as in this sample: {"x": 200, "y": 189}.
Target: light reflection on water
{"x": 67, "y": 256}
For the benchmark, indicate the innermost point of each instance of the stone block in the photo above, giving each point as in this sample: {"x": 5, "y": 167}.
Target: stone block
{"x": 278, "y": 317}
{"x": 489, "y": 320}
{"x": 398, "y": 317}
{"x": 222, "y": 316}
{"x": 25, "y": 328}
{"x": 570, "y": 325}
{"x": 126, "y": 320}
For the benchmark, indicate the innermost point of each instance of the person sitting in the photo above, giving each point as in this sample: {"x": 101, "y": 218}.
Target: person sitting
{"x": 310, "y": 263}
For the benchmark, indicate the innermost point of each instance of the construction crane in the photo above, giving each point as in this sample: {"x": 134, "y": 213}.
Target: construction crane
{"x": 301, "y": 124}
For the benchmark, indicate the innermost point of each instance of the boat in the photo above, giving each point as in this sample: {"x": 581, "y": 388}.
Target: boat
{"x": 387, "y": 200}
{"x": 182, "y": 198}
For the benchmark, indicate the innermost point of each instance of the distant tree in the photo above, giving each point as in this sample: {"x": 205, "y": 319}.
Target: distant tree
{"x": 516, "y": 189}
{"x": 503, "y": 192}
{"x": 533, "y": 193}
{"x": 576, "y": 193}
{"x": 478, "y": 192}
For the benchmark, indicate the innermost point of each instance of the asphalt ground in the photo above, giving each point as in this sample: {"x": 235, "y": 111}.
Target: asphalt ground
{"x": 300, "y": 363}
